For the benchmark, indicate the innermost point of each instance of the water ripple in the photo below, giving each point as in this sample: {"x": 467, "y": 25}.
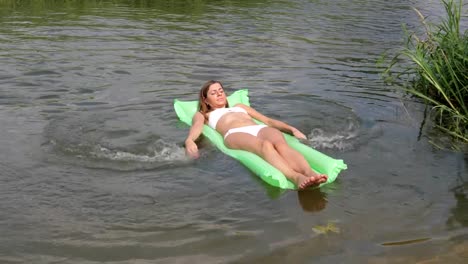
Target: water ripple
{"x": 94, "y": 83}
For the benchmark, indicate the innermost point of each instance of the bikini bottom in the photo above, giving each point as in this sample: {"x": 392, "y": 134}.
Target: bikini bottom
{"x": 252, "y": 130}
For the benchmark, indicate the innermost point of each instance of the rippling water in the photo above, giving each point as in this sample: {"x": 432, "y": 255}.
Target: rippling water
{"x": 92, "y": 165}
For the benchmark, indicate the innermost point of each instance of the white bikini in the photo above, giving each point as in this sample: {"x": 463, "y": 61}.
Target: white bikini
{"x": 216, "y": 115}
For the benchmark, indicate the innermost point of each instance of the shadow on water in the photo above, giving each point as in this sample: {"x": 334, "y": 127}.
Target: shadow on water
{"x": 272, "y": 191}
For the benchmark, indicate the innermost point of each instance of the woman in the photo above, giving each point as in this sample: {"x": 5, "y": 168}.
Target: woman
{"x": 240, "y": 131}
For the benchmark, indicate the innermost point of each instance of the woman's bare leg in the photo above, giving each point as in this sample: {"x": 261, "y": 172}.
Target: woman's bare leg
{"x": 292, "y": 157}
{"x": 267, "y": 151}
{"x": 296, "y": 160}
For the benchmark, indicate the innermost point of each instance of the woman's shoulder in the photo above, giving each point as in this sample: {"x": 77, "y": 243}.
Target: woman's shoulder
{"x": 198, "y": 115}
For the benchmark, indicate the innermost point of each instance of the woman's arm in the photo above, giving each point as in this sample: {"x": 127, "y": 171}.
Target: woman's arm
{"x": 273, "y": 122}
{"x": 195, "y": 130}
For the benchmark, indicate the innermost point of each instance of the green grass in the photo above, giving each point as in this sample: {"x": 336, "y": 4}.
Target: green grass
{"x": 437, "y": 71}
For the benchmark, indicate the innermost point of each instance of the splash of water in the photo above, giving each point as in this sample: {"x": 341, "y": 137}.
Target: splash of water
{"x": 157, "y": 154}
{"x": 160, "y": 151}
{"x": 342, "y": 140}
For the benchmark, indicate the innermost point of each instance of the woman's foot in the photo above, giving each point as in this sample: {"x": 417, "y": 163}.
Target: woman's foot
{"x": 323, "y": 177}
{"x": 306, "y": 182}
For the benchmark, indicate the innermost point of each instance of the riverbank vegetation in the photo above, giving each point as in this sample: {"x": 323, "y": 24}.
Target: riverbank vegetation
{"x": 435, "y": 69}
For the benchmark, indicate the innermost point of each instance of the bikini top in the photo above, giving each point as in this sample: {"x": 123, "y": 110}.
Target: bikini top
{"x": 218, "y": 113}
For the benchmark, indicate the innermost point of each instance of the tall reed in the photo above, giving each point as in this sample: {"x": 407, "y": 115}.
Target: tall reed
{"x": 438, "y": 69}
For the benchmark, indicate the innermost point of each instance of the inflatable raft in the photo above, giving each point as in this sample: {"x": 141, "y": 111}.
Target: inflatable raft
{"x": 318, "y": 161}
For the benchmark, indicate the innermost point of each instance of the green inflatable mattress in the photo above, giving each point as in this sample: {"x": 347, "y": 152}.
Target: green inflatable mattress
{"x": 318, "y": 161}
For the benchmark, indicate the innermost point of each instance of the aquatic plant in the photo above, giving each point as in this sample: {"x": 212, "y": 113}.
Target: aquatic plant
{"x": 437, "y": 71}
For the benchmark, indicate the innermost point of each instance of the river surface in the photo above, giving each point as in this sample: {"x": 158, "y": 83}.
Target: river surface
{"x": 92, "y": 164}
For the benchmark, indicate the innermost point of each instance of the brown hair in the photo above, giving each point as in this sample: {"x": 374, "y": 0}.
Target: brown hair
{"x": 204, "y": 108}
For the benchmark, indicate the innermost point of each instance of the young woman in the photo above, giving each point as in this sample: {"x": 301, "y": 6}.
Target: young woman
{"x": 241, "y": 132}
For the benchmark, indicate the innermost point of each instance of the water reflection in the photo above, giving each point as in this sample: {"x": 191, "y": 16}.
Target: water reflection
{"x": 460, "y": 192}
{"x": 312, "y": 200}
{"x": 177, "y": 7}
{"x": 460, "y": 211}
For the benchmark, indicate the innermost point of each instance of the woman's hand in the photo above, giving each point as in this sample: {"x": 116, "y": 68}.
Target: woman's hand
{"x": 298, "y": 134}
{"x": 191, "y": 149}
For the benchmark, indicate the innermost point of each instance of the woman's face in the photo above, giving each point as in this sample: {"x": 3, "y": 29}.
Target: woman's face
{"x": 215, "y": 96}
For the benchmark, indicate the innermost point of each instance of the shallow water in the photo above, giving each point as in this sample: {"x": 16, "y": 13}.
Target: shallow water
{"x": 92, "y": 165}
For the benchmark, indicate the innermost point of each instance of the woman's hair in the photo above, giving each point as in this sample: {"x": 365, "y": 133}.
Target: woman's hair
{"x": 204, "y": 108}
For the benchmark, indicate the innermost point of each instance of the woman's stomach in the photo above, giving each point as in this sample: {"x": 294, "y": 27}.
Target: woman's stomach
{"x": 233, "y": 120}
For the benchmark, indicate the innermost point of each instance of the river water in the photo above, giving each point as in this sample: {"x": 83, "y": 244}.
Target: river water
{"x": 92, "y": 165}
